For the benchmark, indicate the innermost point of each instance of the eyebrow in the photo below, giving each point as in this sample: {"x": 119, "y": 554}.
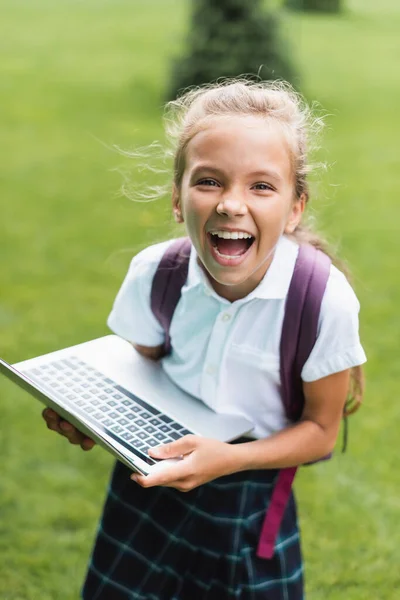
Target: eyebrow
{"x": 254, "y": 174}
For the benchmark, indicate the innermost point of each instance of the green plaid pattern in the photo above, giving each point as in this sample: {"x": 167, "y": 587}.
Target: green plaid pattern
{"x": 161, "y": 544}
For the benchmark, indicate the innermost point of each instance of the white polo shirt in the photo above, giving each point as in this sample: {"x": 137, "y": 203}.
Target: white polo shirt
{"x": 227, "y": 354}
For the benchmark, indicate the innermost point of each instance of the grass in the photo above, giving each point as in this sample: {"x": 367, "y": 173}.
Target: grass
{"x": 79, "y": 77}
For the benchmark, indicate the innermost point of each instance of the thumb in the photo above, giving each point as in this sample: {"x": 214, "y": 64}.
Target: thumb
{"x": 182, "y": 446}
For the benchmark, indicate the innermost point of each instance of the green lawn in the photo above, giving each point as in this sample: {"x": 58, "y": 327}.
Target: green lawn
{"x": 77, "y": 78}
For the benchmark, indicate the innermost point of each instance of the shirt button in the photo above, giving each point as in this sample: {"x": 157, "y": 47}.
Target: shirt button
{"x": 211, "y": 370}
{"x": 226, "y": 317}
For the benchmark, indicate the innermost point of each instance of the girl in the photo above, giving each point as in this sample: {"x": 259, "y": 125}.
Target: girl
{"x": 240, "y": 187}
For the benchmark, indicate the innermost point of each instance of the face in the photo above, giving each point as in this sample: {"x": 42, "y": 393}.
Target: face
{"x": 237, "y": 199}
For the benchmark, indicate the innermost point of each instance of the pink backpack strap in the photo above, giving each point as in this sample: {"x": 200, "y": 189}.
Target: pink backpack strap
{"x": 169, "y": 278}
{"x": 300, "y": 323}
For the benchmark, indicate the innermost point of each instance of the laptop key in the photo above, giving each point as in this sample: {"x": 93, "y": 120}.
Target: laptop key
{"x": 152, "y": 442}
{"x": 175, "y": 435}
{"x": 176, "y": 426}
{"x": 140, "y": 422}
{"x": 57, "y": 365}
{"x": 142, "y": 403}
{"x": 116, "y": 429}
{"x": 150, "y": 429}
{"x": 160, "y": 436}
{"x": 165, "y": 428}
{"x": 137, "y": 444}
{"x": 166, "y": 419}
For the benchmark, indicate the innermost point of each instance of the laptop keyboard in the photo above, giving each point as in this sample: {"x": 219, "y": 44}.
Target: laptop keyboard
{"x": 130, "y": 420}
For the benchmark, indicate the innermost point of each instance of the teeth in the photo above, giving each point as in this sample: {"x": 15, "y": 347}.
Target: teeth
{"x": 232, "y": 235}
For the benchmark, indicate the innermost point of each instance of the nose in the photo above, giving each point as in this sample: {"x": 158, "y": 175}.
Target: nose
{"x": 232, "y": 206}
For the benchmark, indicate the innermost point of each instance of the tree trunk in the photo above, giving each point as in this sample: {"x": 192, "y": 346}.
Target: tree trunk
{"x": 330, "y": 6}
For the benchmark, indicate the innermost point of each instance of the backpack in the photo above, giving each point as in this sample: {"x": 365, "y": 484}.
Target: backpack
{"x": 299, "y": 333}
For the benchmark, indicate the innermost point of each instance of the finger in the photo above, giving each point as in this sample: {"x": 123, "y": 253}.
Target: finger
{"x": 71, "y": 433}
{"x": 87, "y": 444}
{"x": 50, "y": 415}
{"x": 54, "y": 426}
{"x": 169, "y": 477}
{"x": 182, "y": 484}
{"x": 53, "y": 422}
{"x": 184, "y": 445}
{"x": 67, "y": 428}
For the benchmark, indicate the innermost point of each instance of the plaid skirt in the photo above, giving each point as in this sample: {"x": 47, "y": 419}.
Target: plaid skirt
{"x": 162, "y": 544}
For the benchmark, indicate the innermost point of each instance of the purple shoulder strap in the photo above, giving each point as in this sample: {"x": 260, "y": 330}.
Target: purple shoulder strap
{"x": 299, "y": 333}
{"x": 167, "y": 284}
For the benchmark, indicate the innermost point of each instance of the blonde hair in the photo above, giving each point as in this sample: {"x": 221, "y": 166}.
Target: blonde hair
{"x": 194, "y": 111}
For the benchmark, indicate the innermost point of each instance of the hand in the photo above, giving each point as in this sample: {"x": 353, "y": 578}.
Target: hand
{"x": 56, "y": 423}
{"x": 203, "y": 460}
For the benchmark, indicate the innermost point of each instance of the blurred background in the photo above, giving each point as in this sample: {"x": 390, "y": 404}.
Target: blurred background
{"x": 79, "y": 79}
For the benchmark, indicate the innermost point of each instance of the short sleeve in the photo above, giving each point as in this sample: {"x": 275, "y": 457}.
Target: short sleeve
{"x": 131, "y": 317}
{"x": 338, "y": 344}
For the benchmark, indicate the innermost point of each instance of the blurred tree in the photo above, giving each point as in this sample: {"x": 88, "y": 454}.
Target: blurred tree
{"x": 229, "y": 38}
{"x": 331, "y": 6}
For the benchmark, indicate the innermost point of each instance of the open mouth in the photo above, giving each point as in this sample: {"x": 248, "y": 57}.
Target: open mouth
{"x": 230, "y": 245}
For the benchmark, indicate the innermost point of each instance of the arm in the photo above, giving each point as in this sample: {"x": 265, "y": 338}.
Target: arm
{"x": 311, "y": 438}
{"x": 152, "y": 352}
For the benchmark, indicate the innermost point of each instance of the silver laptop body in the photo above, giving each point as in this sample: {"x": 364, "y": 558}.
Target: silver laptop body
{"x": 123, "y": 401}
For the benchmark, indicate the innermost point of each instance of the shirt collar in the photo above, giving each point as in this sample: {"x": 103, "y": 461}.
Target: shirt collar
{"x": 275, "y": 283}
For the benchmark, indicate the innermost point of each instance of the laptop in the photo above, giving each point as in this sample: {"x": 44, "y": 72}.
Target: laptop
{"x": 120, "y": 399}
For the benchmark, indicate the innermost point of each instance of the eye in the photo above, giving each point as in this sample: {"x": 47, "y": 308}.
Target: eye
{"x": 263, "y": 187}
{"x": 208, "y": 182}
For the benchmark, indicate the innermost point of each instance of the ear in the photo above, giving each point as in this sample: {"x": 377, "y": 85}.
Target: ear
{"x": 176, "y": 207}
{"x": 296, "y": 213}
